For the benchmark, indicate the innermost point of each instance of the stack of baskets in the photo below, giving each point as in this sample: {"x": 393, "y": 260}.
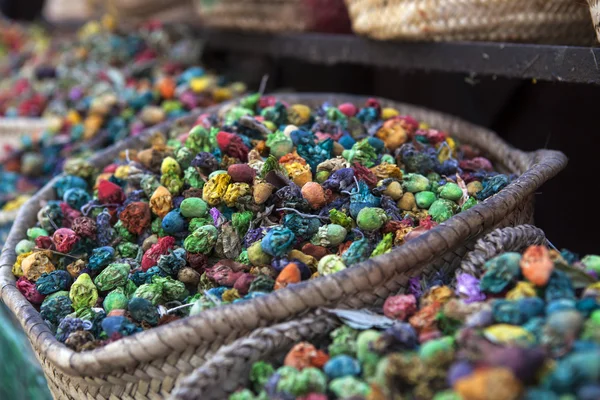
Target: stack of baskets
{"x": 151, "y": 363}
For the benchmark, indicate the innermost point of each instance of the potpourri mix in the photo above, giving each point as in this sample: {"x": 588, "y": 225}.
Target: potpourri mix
{"x": 528, "y": 328}
{"x": 262, "y": 196}
{"x": 94, "y": 89}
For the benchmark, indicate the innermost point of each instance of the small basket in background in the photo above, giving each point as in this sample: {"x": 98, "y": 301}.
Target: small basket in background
{"x": 327, "y": 16}
{"x": 532, "y": 21}
{"x": 595, "y": 11}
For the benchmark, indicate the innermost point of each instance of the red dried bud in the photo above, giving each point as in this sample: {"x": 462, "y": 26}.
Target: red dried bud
{"x": 85, "y": 227}
{"x": 365, "y": 174}
{"x": 43, "y": 242}
{"x": 65, "y": 240}
{"x": 242, "y": 284}
{"x": 136, "y": 217}
{"x": 29, "y": 291}
{"x": 400, "y": 307}
{"x": 162, "y": 247}
{"x": 110, "y": 193}
{"x": 232, "y": 145}
{"x": 197, "y": 261}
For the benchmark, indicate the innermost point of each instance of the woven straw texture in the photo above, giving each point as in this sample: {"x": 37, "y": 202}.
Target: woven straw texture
{"x": 131, "y": 11}
{"x": 229, "y": 369}
{"x": 595, "y": 11}
{"x": 147, "y": 365}
{"x": 535, "y": 21}
{"x": 275, "y": 15}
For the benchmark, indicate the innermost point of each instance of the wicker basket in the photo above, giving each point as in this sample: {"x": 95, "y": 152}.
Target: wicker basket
{"x": 128, "y": 11}
{"x": 229, "y": 369}
{"x": 148, "y": 364}
{"x": 595, "y": 11}
{"x": 276, "y": 15}
{"x": 535, "y": 21}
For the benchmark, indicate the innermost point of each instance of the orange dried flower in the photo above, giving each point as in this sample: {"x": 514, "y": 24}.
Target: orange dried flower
{"x": 289, "y": 274}
{"x": 305, "y": 355}
{"x": 536, "y": 265}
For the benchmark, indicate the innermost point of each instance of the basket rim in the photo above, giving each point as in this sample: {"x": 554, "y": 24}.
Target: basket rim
{"x": 161, "y": 341}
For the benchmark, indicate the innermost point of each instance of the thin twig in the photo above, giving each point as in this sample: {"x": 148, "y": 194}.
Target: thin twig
{"x": 301, "y": 214}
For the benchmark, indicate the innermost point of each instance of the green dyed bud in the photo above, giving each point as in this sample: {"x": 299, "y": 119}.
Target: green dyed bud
{"x": 451, "y": 191}
{"x": 349, "y": 386}
{"x": 434, "y": 348}
{"x": 34, "y": 233}
{"x": 260, "y": 374}
{"x": 441, "y": 210}
{"x": 322, "y": 176}
{"x": 115, "y": 300}
{"x": 469, "y": 203}
{"x": 415, "y": 183}
{"x": 364, "y": 354}
{"x": 257, "y": 256}
{"x": 24, "y": 246}
{"x": 329, "y": 235}
{"x": 388, "y": 158}
{"x": 193, "y": 207}
{"x": 425, "y": 199}
{"x": 170, "y": 166}
{"x": 193, "y": 178}
{"x": 279, "y": 144}
{"x": 339, "y": 218}
{"x": 202, "y": 240}
{"x": 196, "y": 223}
{"x": 330, "y": 264}
{"x": 128, "y": 249}
{"x": 151, "y": 292}
{"x": 173, "y": 183}
{"x": 592, "y": 263}
{"x": 384, "y": 246}
{"x": 371, "y": 218}
{"x": 83, "y": 293}
{"x": 112, "y": 276}
{"x": 123, "y": 232}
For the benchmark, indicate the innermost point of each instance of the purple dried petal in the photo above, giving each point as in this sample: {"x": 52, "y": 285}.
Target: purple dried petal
{"x": 467, "y": 287}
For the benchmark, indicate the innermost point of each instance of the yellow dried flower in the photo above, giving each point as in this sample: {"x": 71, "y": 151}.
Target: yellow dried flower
{"x": 17, "y": 270}
{"x": 234, "y": 192}
{"x": 300, "y": 174}
{"x": 161, "y": 201}
{"x": 521, "y": 290}
{"x": 215, "y": 188}
{"x": 385, "y": 170}
{"x": 36, "y": 264}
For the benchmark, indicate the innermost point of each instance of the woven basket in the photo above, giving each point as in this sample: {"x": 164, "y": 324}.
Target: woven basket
{"x": 229, "y": 369}
{"x": 535, "y": 21}
{"x": 275, "y": 15}
{"x": 128, "y": 11}
{"x": 595, "y": 11}
{"x": 148, "y": 364}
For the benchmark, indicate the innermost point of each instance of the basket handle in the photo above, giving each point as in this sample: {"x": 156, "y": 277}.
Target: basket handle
{"x": 499, "y": 241}
{"x": 228, "y": 369}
